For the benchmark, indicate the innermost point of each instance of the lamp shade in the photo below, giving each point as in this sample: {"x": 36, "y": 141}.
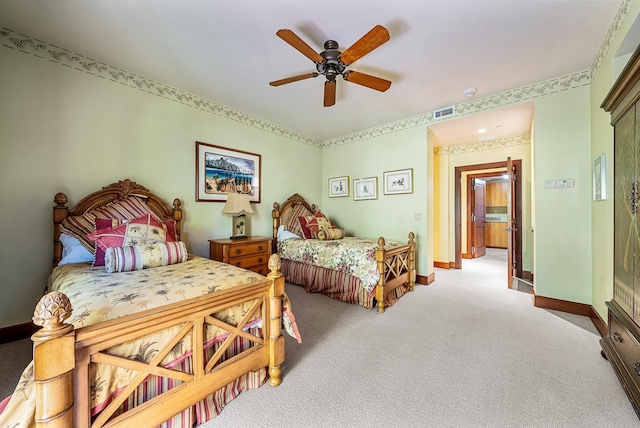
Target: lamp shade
{"x": 237, "y": 204}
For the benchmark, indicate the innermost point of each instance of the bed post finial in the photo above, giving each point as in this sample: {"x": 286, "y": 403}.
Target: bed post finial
{"x": 380, "y": 259}
{"x": 275, "y": 215}
{"x": 276, "y": 341}
{"x": 53, "y": 361}
{"x": 50, "y": 313}
{"x": 60, "y": 212}
{"x": 412, "y": 261}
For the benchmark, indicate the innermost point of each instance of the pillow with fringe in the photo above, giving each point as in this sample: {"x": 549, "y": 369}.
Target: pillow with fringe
{"x": 330, "y": 234}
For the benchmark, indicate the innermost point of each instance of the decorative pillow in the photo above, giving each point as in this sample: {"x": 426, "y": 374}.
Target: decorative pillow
{"x": 73, "y": 251}
{"x": 292, "y": 224}
{"x": 330, "y": 234}
{"x": 103, "y": 223}
{"x": 306, "y": 232}
{"x": 142, "y": 230}
{"x": 283, "y": 234}
{"x": 137, "y": 257}
{"x": 316, "y": 222}
{"x": 80, "y": 226}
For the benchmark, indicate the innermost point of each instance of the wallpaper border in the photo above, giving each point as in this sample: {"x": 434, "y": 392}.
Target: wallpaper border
{"x": 500, "y": 143}
{"x": 14, "y": 40}
{"x": 29, "y": 45}
{"x": 510, "y": 97}
{"x": 619, "y": 19}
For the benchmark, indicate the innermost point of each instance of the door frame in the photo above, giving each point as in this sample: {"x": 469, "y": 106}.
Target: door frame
{"x": 470, "y": 241}
{"x": 517, "y": 166}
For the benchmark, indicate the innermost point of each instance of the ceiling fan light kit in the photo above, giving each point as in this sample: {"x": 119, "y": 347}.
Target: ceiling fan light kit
{"x": 332, "y": 63}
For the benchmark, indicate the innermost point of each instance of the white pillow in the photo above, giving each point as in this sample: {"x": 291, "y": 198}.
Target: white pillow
{"x": 283, "y": 234}
{"x": 73, "y": 251}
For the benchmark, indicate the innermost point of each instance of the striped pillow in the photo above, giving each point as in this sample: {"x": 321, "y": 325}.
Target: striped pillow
{"x": 137, "y": 257}
{"x": 80, "y": 226}
{"x": 292, "y": 224}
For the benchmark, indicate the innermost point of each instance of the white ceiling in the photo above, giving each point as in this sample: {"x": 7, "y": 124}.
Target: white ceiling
{"x": 227, "y": 51}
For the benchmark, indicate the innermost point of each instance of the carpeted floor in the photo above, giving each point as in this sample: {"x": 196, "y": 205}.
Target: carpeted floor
{"x": 464, "y": 351}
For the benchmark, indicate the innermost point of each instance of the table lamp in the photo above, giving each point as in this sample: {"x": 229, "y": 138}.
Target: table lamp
{"x": 239, "y": 208}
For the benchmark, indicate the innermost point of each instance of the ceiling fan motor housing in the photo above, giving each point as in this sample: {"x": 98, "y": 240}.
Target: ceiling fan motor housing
{"x": 331, "y": 66}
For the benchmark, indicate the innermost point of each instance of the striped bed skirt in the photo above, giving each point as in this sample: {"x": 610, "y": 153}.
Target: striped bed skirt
{"x": 338, "y": 285}
{"x": 212, "y": 405}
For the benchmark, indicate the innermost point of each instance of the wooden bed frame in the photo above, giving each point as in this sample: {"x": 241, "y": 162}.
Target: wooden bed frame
{"x": 62, "y": 354}
{"x": 397, "y": 267}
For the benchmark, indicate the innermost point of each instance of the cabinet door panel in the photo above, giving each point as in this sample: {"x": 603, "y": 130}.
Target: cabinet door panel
{"x": 624, "y": 224}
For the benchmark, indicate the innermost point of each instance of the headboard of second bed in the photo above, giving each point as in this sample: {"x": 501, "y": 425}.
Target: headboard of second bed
{"x": 288, "y": 212}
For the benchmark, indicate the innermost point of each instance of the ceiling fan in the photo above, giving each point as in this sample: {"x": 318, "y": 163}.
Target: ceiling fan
{"x": 331, "y": 62}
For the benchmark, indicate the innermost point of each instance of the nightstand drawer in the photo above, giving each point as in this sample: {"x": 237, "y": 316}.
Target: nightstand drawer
{"x": 247, "y": 262}
{"x": 250, "y": 253}
{"x": 248, "y": 249}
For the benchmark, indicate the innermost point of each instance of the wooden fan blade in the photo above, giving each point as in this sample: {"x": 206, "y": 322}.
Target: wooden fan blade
{"x": 293, "y": 79}
{"x": 374, "y": 38}
{"x": 299, "y": 44}
{"x": 329, "y": 93}
{"x": 367, "y": 80}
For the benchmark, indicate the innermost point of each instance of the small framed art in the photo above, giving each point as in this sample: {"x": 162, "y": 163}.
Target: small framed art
{"x": 397, "y": 182}
{"x": 600, "y": 178}
{"x": 365, "y": 188}
{"x": 339, "y": 187}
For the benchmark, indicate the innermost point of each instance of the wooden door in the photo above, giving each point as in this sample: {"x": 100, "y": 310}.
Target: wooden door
{"x": 478, "y": 219}
{"x": 511, "y": 224}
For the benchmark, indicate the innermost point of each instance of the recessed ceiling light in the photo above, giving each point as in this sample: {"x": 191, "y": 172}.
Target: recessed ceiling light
{"x": 498, "y": 126}
{"x": 470, "y": 92}
{"x": 481, "y": 131}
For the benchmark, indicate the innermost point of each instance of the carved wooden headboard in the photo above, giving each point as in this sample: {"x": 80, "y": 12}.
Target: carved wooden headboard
{"x": 102, "y": 197}
{"x": 281, "y": 213}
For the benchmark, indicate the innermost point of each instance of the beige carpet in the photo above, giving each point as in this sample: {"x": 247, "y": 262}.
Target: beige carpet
{"x": 462, "y": 352}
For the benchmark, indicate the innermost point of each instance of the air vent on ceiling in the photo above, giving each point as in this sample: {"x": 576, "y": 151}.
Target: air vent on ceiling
{"x": 444, "y": 112}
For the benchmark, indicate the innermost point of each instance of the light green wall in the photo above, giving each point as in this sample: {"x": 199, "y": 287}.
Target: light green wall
{"x": 563, "y": 215}
{"x": 64, "y": 130}
{"x": 602, "y": 143}
{"x": 390, "y": 216}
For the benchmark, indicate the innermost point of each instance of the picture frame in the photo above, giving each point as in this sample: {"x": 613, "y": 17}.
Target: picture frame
{"x": 365, "y": 188}
{"x": 221, "y": 170}
{"x": 398, "y": 182}
{"x": 339, "y": 187}
{"x": 600, "y": 178}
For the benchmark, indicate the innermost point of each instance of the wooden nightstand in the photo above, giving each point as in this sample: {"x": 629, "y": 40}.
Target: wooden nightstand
{"x": 250, "y": 253}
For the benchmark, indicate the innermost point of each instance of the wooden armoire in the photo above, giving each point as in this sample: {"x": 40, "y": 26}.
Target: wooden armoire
{"x": 621, "y": 346}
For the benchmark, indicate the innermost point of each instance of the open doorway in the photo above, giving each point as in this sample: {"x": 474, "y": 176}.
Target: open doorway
{"x": 465, "y": 214}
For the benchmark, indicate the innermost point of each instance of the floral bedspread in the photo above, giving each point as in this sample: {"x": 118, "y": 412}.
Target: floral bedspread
{"x": 98, "y": 296}
{"x": 355, "y": 256}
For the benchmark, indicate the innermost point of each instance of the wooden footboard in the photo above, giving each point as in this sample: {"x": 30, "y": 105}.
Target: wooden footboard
{"x": 62, "y": 355}
{"x": 397, "y": 267}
